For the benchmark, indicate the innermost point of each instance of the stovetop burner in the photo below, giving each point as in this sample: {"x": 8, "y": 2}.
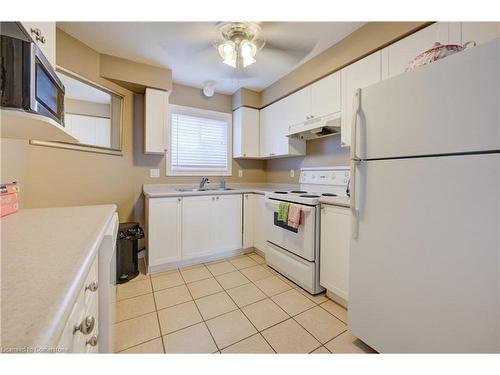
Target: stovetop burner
{"x": 329, "y": 195}
{"x": 298, "y": 192}
{"x": 309, "y": 196}
{"x": 281, "y": 192}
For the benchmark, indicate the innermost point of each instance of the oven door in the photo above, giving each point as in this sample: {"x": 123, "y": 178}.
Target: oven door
{"x": 301, "y": 241}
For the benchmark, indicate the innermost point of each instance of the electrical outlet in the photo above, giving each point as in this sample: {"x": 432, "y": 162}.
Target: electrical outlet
{"x": 154, "y": 173}
{"x": 240, "y": 173}
{"x": 292, "y": 173}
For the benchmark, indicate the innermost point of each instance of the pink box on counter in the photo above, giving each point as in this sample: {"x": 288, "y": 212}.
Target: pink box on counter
{"x": 9, "y": 200}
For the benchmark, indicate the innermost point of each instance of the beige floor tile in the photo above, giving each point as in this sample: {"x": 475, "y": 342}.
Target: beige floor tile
{"x": 293, "y": 302}
{"x": 264, "y": 314}
{"x": 257, "y": 258}
{"x": 214, "y": 305}
{"x": 230, "y": 328}
{"x": 140, "y": 277}
{"x": 321, "y": 324}
{"x": 220, "y": 268}
{"x": 267, "y": 268}
{"x": 132, "y": 307}
{"x": 157, "y": 274}
{"x": 272, "y": 285}
{"x": 195, "y": 274}
{"x": 318, "y": 298}
{"x": 194, "y": 339}
{"x": 232, "y": 279}
{"x": 135, "y": 331}
{"x": 321, "y": 350}
{"x": 167, "y": 280}
{"x": 253, "y": 345}
{"x": 129, "y": 290}
{"x": 335, "y": 309}
{"x": 192, "y": 266}
{"x": 178, "y": 317}
{"x": 172, "y": 296}
{"x": 290, "y": 337}
{"x": 150, "y": 347}
{"x": 243, "y": 262}
{"x": 256, "y": 273}
{"x": 347, "y": 343}
{"x": 204, "y": 287}
{"x": 246, "y": 294}
{"x": 286, "y": 281}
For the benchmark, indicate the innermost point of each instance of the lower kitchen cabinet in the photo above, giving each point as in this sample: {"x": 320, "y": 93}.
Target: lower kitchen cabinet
{"x": 334, "y": 251}
{"x": 210, "y": 225}
{"x": 259, "y": 223}
{"x": 248, "y": 220}
{"x": 163, "y": 217}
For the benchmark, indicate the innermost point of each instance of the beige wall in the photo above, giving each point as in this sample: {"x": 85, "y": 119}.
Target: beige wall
{"x": 193, "y": 97}
{"x": 247, "y": 98}
{"x": 83, "y": 107}
{"x": 52, "y": 177}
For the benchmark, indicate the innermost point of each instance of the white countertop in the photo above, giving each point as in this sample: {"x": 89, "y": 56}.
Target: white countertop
{"x": 46, "y": 255}
{"x": 170, "y": 190}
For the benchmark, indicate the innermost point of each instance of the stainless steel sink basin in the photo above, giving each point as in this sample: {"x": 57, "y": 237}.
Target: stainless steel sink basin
{"x": 204, "y": 189}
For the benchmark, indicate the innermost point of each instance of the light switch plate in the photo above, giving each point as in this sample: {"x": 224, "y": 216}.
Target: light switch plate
{"x": 240, "y": 173}
{"x": 154, "y": 173}
{"x": 292, "y": 173}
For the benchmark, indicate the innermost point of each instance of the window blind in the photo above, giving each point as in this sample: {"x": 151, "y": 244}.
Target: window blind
{"x": 198, "y": 143}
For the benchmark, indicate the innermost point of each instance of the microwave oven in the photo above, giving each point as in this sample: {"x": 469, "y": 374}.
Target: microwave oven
{"x": 28, "y": 82}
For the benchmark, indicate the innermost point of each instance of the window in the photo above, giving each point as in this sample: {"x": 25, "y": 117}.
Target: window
{"x": 199, "y": 142}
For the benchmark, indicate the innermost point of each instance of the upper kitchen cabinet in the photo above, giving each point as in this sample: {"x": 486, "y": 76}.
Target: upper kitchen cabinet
{"x": 246, "y": 133}
{"x": 44, "y": 35}
{"x": 362, "y": 73}
{"x": 155, "y": 121}
{"x": 325, "y": 96}
{"x": 298, "y": 107}
{"x": 479, "y": 32}
{"x": 274, "y": 123}
{"x": 396, "y": 57}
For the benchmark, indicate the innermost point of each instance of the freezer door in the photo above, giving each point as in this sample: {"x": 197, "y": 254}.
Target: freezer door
{"x": 449, "y": 106}
{"x": 424, "y": 274}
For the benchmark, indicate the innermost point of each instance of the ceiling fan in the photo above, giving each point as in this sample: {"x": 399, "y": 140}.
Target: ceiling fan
{"x": 239, "y": 43}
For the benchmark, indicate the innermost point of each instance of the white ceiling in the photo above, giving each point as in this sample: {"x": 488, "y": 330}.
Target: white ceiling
{"x": 75, "y": 89}
{"x": 186, "y": 48}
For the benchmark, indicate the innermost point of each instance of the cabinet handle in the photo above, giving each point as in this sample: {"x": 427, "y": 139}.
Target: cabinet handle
{"x": 38, "y": 35}
{"x": 244, "y": 155}
{"x": 85, "y": 327}
{"x": 217, "y": 198}
{"x": 92, "y": 341}
{"x": 92, "y": 286}
{"x": 179, "y": 200}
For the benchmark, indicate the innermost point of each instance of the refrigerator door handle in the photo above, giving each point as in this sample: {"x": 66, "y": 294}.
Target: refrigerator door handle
{"x": 354, "y": 162}
{"x": 354, "y": 124}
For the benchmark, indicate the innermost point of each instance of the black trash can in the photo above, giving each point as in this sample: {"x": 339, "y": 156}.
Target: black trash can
{"x": 127, "y": 266}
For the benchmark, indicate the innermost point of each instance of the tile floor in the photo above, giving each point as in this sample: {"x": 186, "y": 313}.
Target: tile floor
{"x": 235, "y": 305}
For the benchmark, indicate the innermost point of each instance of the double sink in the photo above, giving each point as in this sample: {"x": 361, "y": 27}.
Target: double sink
{"x": 203, "y": 189}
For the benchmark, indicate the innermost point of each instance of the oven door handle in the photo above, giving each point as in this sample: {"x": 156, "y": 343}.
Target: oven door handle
{"x": 275, "y": 204}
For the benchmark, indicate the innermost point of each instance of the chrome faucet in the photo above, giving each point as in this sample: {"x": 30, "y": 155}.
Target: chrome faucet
{"x": 203, "y": 182}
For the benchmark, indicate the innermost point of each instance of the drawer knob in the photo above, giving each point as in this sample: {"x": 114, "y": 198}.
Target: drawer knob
{"x": 87, "y": 326}
{"x": 92, "y": 286}
{"x": 92, "y": 341}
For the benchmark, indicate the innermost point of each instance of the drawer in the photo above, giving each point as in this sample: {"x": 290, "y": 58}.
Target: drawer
{"x": 90, "y": 279}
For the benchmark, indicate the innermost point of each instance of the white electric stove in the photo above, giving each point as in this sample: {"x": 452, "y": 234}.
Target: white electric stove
{"x": 294, "y": 252}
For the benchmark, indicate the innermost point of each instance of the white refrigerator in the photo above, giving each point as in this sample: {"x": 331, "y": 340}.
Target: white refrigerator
{"x": 425, "y": 196}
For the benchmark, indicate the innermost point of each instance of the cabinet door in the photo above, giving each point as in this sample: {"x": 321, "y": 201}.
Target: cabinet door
{"x": 362, "y": 73}
{"x": 164, "y": 230}
{"x": 246, "y": 133}
{"x": 155, "y": 121}
{"x": 325, "y": 96}
{"x": 260, "y": 223}
{"x": 334, "y": 261}
{"x": 197, "y": 219}
{"x": 248, "y": 220}
{"x": 46, "y": 39}
{"x": 480, "y": 32}
{"x": 226, "y": 223}
{"x": 397, "y": 56}
{"x": 298, "y": 107}
{"x": 273, "y": 134}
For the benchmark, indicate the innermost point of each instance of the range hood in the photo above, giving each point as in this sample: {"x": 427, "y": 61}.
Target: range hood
{"x": 316, "y": 128}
